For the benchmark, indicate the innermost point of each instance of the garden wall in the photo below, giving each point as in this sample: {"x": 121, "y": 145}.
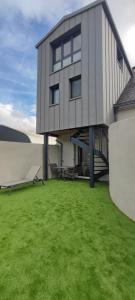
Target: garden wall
{"x": 122, "y": 165}
{"x": 17, "y": 158}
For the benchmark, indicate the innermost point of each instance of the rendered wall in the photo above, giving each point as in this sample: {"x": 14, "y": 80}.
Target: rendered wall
{"x": 68, "y": 150}
{"x": 122, "y": 165}
{"x": 125, "y": 114}
{"x": 17, "y": 158}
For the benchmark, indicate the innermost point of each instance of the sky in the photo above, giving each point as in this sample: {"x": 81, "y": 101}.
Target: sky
{"x": 22, "y": 25}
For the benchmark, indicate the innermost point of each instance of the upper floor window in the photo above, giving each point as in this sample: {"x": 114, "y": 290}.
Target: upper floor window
{"x": 57, "y": 58}
{"x": 67, "y": 51}
{"x": 119, "y": 57}
{"x": 55, "y": 95}
{"x": 75, "y": 87}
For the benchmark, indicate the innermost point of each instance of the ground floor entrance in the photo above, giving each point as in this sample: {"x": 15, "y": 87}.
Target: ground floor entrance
{"x": 85, "y": 150}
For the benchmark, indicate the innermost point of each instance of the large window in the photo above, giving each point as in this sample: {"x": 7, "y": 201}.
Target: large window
{"x": 75, "y": 87}
{"x": 57, "y": 58}
{"x": 55, "y": 95}
{"x": 67, "y": 51}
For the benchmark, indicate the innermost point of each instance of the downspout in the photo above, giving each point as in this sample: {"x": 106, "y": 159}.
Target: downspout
{"x": 115, "y": 113}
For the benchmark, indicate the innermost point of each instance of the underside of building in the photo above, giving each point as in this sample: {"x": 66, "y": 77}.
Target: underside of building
{"x": 85, "y": 149}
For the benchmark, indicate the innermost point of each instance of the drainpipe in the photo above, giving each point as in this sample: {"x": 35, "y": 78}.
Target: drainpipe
{"x": 115, "y": 113}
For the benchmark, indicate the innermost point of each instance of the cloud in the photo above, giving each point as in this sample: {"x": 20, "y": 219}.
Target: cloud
{"x": 50, "y": 11}
{"x": 11, "y": 117}
{"x": 22, "y": 24}
{"x": 27, "y": 69}
{"x": 14, "y": 38}
{"x": 129, "y": 41}
{"x": 123, "y": 13}
{"x": 19, "y": 91}
{"x": 39, "y": 10}
{"x": 33, "y": 108}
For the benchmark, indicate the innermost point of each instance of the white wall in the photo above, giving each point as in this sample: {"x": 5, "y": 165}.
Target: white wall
{"x": 125, "y": 114}
{"x": 68, "y": 150}
{"x": 122, "y": 165}
{"x": 17, "y": 158}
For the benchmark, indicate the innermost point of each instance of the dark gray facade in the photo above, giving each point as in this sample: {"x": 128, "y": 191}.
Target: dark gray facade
{"x": 102, "y": 79}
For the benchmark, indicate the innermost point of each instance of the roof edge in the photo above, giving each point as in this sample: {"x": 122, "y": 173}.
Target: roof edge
{"x": 124, "y": 105}
{"x": 117, "y": 36}
{"x": 83, "y": 9}
{"x": 64, "y": 18}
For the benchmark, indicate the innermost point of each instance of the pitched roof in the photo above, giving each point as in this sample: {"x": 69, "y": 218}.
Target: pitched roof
{"x": 127, "y": 98}
{"x": 83, "y": 9}
{"x": 68, "y": 16}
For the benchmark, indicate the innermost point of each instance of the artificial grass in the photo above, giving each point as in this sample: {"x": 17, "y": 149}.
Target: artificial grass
{"x": 65, "y": 241}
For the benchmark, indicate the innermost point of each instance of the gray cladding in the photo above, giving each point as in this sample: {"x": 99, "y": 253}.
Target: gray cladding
{"x": 101, "y": 78}
{"x": 115, "y": 78}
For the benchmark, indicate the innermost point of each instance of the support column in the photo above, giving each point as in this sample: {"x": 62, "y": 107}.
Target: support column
{"x": 45, "y": 157}
{"x": 91, "y": 155}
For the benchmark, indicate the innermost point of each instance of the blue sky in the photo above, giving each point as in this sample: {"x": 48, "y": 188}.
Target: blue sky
{"x": 22, "y": 24}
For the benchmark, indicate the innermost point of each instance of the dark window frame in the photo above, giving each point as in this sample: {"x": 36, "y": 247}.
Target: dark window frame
{"x": 120, "y": 58}
{"x": 71, "y": 80}
{"x": 52, "y": 89}
{"x": 61, "y": 44}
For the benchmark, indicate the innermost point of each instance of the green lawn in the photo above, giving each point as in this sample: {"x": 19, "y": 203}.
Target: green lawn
{"x": 65, "y": 241}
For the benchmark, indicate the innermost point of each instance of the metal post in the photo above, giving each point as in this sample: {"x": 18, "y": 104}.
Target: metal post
{"x": 45, "y": 157}
{"x": 61, "y": 154}
{"x": 91, "y": 156}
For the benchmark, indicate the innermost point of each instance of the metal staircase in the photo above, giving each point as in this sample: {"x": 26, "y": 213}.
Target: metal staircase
{"x": 97, "y": 157}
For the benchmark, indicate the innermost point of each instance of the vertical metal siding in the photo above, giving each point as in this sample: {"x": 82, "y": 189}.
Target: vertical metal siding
{"x": 61, "y": 85}
{"x": 65, "y": 98}
{"x": 85, "y": 79}
{"x": 92, "y": 71}
{"x": 47, "y": 90}
{"x": 98, "y": 65}
{"x": 82, "y": 111}
{"x": 43, "y": 59}
{"x": 114, "y": 79}
{"x": 102, "y": 79}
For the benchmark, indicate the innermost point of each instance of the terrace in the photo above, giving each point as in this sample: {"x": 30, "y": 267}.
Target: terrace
{"x": 59, "y": 241}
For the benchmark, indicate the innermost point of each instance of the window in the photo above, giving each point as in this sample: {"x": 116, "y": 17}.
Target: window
{"x": 66, "y": 61}
{"x": 55, "y": 95}
{"x": 77, "y": 56}
{"x": 119, "y": 57}
{"x": 67, "y": 51}
{"x": 57, "y": 58}
{"x": 67, "y": 48}
{"x": 77, "y": 43}
{"x": 77, "y": 48}
{"x": 75, "y": 85}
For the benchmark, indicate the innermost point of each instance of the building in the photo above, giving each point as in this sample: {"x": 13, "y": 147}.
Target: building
{"x": 122, "y": 151}
{"x": 125, "y": 106}
{"x": 9, "y": 134}
{"x": 82, "y": 71}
